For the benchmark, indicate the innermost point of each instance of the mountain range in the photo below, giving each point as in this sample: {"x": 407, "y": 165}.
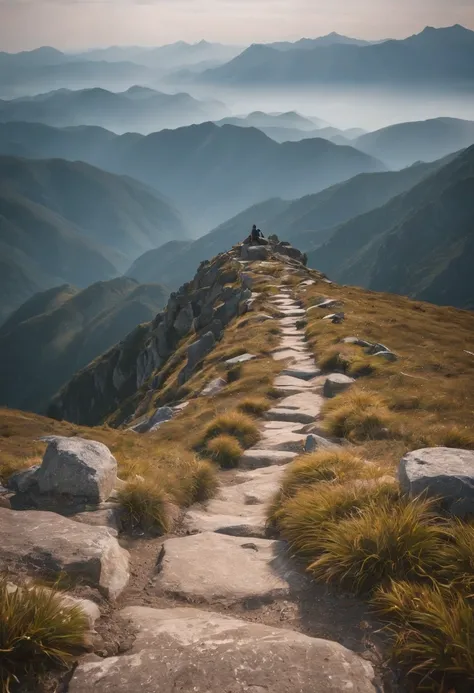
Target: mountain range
{"x": 434, "y": 58}
{"x": 70, "y": 222}
{"x": 420, "y": 243}
{"x": 68, "y": 328}
{"x": 211, "y": 172}
{"x": 306, "y": 222}
{"x": 139, "y": 109}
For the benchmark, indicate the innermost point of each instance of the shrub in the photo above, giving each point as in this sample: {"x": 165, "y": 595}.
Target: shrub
{"x": 205, "y": 483}
{"x": 305, "y": 519}
{"x": 233, "y": 423}
{"x": 457, "y": 437}
{"x": 359, "y": 416}
{"x": 146, "y": 505}
{"x": 323, "y": 465}
{"x": 433, "y": 632}
{"x": 37, "y": 633}
{"x": 384, "y": 541}
{"x": 254, "y": 405}
{"x": 225, "y": 451}
{"x": 457, "y": 558}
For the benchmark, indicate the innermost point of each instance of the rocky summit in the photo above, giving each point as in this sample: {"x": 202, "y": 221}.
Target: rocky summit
{"x": 251, "y": 503}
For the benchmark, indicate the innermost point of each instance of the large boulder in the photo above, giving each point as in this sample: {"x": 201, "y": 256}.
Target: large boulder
{"x": 75, "y": 472}
{"x": 52, "y": 544}
{"x": 196, "y": 352}
{"x": 447, "y": 473}
{"x": 194, "y": 651}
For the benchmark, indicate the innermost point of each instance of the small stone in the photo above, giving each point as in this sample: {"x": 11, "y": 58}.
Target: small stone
{"x": 214, "y": 387}
{"x": 327, "y": 303}
{"x": 447, "y": 473}
{"x": 335, "y": 318}
{"x": 243, "y": 358}
{"x": 387, "y": 355}
{"x": 314, "y": 442}
{"x": 356, "y": 341}
{"x": 336, "y": 383}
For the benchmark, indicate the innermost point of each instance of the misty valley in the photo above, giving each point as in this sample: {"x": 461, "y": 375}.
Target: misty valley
{"x": 254, "y": 257}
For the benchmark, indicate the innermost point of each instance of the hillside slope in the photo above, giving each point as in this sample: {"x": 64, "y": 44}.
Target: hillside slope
{"x": 419, "y": 244}
{"x": 402, "y": 144}
{"x": 68, "y": 328}
{"x": 70, "y": 222}
{"x": 211, "y": 172}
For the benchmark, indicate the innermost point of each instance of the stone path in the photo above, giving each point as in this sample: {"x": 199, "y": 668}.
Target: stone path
{"x": 228, "y": 561}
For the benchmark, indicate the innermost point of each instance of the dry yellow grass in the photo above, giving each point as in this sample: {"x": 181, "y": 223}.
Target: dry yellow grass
{"x": 225, "y": 450}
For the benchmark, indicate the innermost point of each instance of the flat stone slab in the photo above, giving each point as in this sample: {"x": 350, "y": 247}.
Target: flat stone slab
{"x": 292, "y": 312}
{"x": 54, "y": 544}
{"x": 292, "y": 354}
{"x": 288, "y": 321}
{"x": 292, "y": 415}
{"x": 447, "y": 473}
{"x": 187, "y": 650}
{"x": 239, "y": 510}
{"x": 309, "y": 403}
{"x": 212, "y": 566}
{"x": 259, "y": 457}
{"x": 243, "y": 358}
{"x": 306, "y": 371}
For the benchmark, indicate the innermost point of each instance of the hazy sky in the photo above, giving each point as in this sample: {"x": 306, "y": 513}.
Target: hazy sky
{"x": 72, "y": 24}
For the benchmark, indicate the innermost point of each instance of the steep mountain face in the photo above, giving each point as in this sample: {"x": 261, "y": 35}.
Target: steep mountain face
{"x": 211, "y": 172}
{"x": 402, "y": 144}
{"x": 68, "y": 329}
{"x": 307, "y": 222}
{"x": 419, "y": 243}
{"x": 139, "y": 109}
{"x": 70, "y": 222}
{"x": 130, "y": 372}
{"x": 432, "y": 58}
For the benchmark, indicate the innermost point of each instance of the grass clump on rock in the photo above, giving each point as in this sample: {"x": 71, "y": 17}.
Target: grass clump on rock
{"x": 38, "y": 633}
{"x": 225, "y": 450}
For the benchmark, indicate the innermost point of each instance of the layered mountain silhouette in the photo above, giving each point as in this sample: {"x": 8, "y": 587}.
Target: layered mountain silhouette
{"x": 68, "y": 328}
{"x": 211, "y": 172}
{"x": 139, "y": 108}
{"x": 331, "y": 39}
{"x": 402, "y": 144}
{"x": 306, "y": 222}
{"x": 433, "y": 57}
{"x": 70, "y": 222}
{"x": 420, "y": 243}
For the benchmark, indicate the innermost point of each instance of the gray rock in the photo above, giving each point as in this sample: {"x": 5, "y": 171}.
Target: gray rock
{"x": 327, "y": 303}
{"x": 198, "y": 350}
{"x": 243, "y": 358}
{"x": 444, "y": 472}
{"x": 336, "y": 383}
{"x": 314, "y": 442}
{"x": 77, "y": 467}
{"x": 214, "y": 387}
{"x": 376, "y": 348}
{"x": 336, "y": 318}
{"x": 387, "y": 355}
{"x": 52, "y": 544}
{"x": 253, "y": 252}
{"x": 247, "y": 281}
{"x": 109, "y": 517}
{"x": 212, "y": 566}
{"x": 194, "y": 651}
{"x": 255, "y": 458}
{"x": 22, "y": 481}
{"x": 356, "y": 341}
{"x": 184, "y": 320}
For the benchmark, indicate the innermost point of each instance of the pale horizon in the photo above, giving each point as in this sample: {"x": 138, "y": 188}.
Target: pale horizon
{"x": 75, "y": 25}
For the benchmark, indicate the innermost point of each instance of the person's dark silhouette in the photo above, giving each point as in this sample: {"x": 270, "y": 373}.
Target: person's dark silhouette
{"x": 255, "y": 235}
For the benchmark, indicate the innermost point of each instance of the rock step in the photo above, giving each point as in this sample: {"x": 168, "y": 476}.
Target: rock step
{"x": 191, "y": 650}
{"x": 294, "y": 415}
{"x": 302, "y": 372}
{"x": 211, "y": 566}
{"x": 261, "y": 457}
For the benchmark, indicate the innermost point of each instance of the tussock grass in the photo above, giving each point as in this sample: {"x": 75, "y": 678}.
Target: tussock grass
{"x": 457, "y": 558}
{"x": 255, "y": 406}
{"x": 146, "y": 506}
{"x": 225, "y": 450}
{"x": 385, "y": 541}
{"x": 337, "y": 465}
{"x": 456, "y": 437}
{"x": 233, "y": 423}
{"x": 432, "y": 634}
{"x": 205, "y": 483}
{"x": 306, "y": 518}
{"x": 359, "y": 415}
{"x": 37, "y": 633}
